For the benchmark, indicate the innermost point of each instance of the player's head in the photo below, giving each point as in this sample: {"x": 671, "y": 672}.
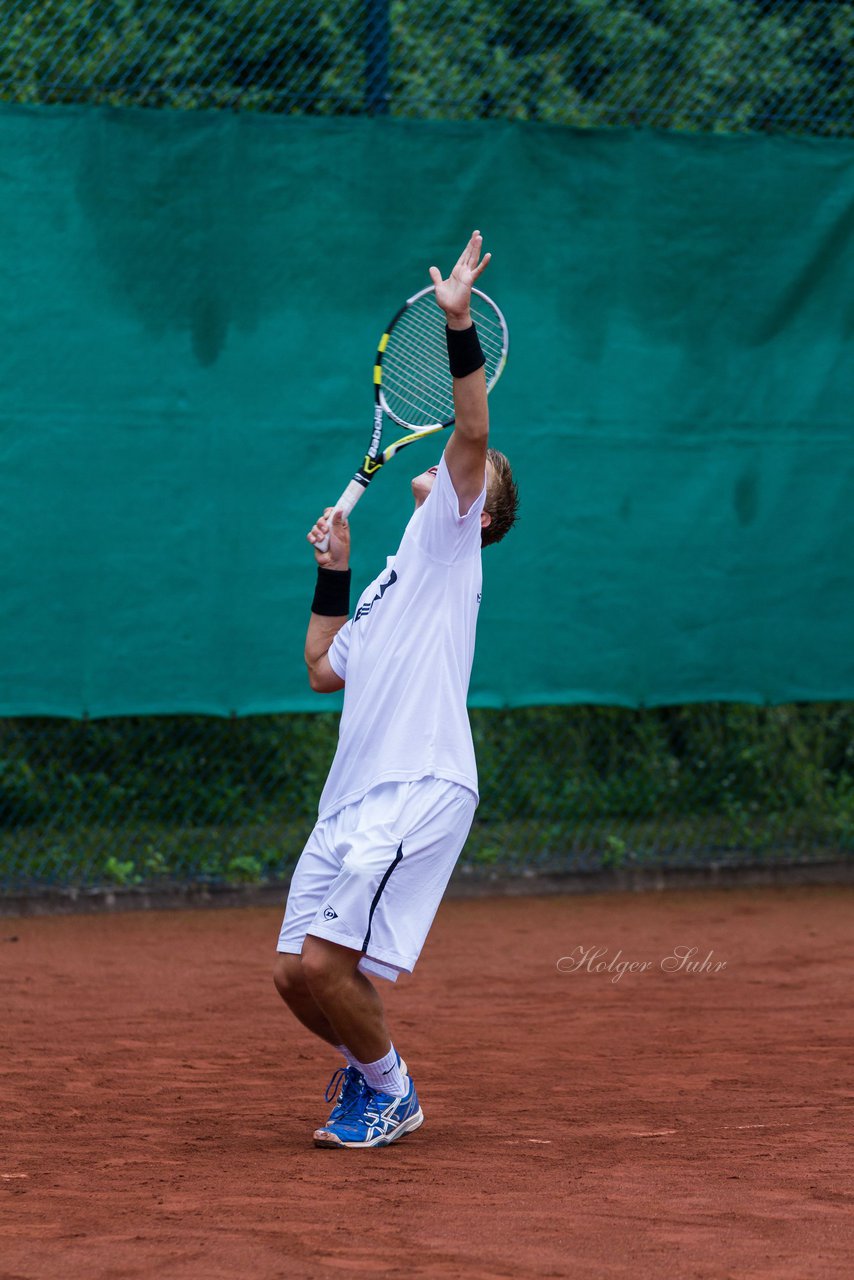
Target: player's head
{"x": 502, "y": 499}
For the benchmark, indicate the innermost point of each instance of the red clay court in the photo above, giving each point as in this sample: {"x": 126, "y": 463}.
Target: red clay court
{"x": 158, "y": 1101}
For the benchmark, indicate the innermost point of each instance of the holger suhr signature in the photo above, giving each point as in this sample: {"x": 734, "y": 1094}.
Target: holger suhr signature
{"x": 681, "y": 959}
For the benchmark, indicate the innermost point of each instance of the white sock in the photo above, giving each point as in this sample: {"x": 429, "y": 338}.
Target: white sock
{"x": 345, "y": 1052}
{"x": 385, "y": 1075}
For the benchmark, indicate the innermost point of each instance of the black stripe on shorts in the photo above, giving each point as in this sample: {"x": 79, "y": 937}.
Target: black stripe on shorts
{"x": 379, "y": 893}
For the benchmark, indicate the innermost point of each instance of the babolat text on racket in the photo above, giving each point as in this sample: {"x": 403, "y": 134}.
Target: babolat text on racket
{"x": 412, "y": 383}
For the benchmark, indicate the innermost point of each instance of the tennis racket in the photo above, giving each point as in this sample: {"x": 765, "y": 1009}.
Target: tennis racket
{"x": 412, "y": 382}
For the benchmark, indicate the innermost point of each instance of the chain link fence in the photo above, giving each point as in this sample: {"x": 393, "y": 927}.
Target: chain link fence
{"x": 160, "y": 799}
{"x": 166, "y": 799}
{"x": 713, "y": 65}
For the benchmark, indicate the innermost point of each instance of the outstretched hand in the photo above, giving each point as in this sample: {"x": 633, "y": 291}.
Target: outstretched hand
{"x": 454, "y": 294}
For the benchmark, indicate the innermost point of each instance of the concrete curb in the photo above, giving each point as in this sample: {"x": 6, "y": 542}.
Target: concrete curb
{"x": 465, "y": 884}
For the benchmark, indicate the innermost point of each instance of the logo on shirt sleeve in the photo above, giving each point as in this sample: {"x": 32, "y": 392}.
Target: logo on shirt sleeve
{"x": 366, "y": 608}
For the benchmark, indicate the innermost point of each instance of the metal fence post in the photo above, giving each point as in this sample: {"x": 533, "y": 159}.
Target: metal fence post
{"x": 377, "y": 88}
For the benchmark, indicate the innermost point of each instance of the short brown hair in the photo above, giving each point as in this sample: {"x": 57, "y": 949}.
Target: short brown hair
{"x": 502, "y": 500}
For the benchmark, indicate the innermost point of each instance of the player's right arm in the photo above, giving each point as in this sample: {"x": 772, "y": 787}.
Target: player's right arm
{"x": 324, "y": 626}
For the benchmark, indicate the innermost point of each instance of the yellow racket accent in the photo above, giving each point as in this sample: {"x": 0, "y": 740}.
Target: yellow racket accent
{"x": 416, "y": 435}
{"x": 378, "y": 369}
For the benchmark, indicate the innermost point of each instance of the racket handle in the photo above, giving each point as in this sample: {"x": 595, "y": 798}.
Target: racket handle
{"x": 345, "y": 505}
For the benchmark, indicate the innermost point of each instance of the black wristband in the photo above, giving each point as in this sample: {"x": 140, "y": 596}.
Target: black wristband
{"x": 332, "y": 593}
{"x": 464, "y": 351}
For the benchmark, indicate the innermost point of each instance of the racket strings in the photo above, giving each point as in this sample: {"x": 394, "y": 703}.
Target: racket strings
{"x": 414, "y": 399}
{"x": 416, "y": 383}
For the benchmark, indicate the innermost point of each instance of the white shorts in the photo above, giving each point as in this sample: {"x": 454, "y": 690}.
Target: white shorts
{"x": 372, "y": 876}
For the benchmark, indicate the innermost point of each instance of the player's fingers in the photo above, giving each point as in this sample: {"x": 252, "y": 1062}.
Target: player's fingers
{"x": 436, "y": 275}
{"x": 318, "y": 529}
{"x": 483, "y": 265}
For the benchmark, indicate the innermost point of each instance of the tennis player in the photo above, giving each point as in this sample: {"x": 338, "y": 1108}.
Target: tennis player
{"x": 402, "y": 790}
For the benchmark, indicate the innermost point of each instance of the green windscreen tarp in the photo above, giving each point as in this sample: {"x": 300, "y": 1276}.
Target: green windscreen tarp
{"x": 191, "y": 306}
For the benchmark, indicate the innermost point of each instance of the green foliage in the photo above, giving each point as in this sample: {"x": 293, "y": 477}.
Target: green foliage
{"x": 615, "y": 853}
{"x": 231, "y": 801}
{"x": 121, "y": 873}
{"x": 715, "y": 65}
{"x": 244, "y": 869}
{"x": 672, "y": 760}
{"x": 176, "y": 54}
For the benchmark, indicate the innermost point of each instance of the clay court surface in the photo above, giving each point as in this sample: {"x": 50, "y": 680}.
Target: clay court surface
{"x": 158, "y": 1103}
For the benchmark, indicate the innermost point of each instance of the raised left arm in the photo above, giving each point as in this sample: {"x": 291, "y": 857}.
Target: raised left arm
{"x": 465, "y": 452}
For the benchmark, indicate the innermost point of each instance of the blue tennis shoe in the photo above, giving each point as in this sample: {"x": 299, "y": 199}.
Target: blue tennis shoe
{"x": 348, "y": 1083}
{"x": 369, "y": 1118}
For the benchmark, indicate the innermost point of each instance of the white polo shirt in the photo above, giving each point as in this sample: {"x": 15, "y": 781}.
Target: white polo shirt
{"x": 406, "y": 658}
